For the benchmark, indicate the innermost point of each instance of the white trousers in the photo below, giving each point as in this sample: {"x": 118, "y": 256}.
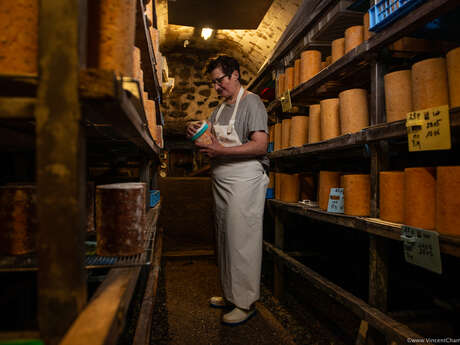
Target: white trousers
{"x": 239, "y": 194}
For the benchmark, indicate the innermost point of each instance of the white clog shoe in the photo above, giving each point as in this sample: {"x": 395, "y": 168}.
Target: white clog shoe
{"x": 237, "y": 316}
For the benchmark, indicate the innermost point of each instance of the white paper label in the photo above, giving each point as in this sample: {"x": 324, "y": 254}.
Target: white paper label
{"x": 421, "y": 248}
{"x": 335, "y": 204}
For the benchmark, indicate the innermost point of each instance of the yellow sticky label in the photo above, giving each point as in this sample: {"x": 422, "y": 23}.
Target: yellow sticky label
{"x": 285, "y": 99}
{"x": 429, "y": 129}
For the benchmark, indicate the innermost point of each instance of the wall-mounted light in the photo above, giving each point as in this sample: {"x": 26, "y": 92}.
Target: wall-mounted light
{"x": 206, "y": 33}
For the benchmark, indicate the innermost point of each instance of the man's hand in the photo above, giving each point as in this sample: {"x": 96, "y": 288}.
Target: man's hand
{"x": 192, "y": 127}
{"x": 212, "y": 150}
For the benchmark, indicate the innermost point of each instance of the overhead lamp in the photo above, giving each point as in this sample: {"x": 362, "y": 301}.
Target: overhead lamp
{"x": 206, "y": 33}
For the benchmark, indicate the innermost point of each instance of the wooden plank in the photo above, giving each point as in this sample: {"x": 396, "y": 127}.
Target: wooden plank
{"x": 186, "y": 253}
{"x": 378, "y": 272}
{"x": 17, "y": 107}
{"x": 380, "y": 321}
{"x": 278, "y": 280}
{"x": 103, "y": 319}
{"x": 361, "y": 339}
{"x": 60, "y": 172}
{"x": 5, "y": 336}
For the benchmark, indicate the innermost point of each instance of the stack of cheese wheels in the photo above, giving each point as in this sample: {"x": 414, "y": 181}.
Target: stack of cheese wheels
{"x": 338, "y": 49}
{"x": 327, "y": 180}
{"x": 419, "y": 197}
{"x": 285, "y": 131}
{"x": 447, "y": 200}
{"x": 278, "y": 186}
{"x": 429, "y": 84}
{"x": 354, "y": 113}
{"x": 289, "y": 78}
{"x": 398, "y": 95}
{"x": 314, "y": 124}
{"x": 120, "y": 219}
{"x": 310, "y": 64}
{"x": 281, "y": 81}
{"x": 18, "y": 219}
{"x": 296, "y": 72}
{"x": 18, "y": 37}
{"x": 278, "y": 136}
{"x": 392, "y": 196}
{"x": 356, "y": 194}
{"x": 330, "y": 127}
{"x": 298, "y": 135}
{"x": 453, "y": 73}
{"x": 117, "y": 20}
{"x": 366, "y": 23}
{"x": 290, "y": 187}
{"x": 353, "y": 37}
{"x": 307, "y": 187}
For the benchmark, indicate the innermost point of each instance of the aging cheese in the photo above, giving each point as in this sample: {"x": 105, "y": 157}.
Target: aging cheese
{"x": 357, "y": 194}
{"x": 310, "y": 64}
{"x": 327, "y": 180}
{"x": 367, "y": 34}
{"x": 354, "y": 112}
{"x": 299, "y": 131}
{"x": 453, "y": 74}
{"x": 278, "y": 136}
{"x": 448, "y": 200}
{"x": 398, "y": 95}
{"x": 429, "y": 84}
{"x": 296, "y": 72}
{"x": 278, "y": 186}
{"x": 307, "y": 187}
{"x": 353, "y": 37}
{"x": 289, "y": 78}
{"x": 290, "y": 187}
{"x": 314, "y": 124}
{"x": 285, "y": 131}
{"x": 338, "y": 49}
{"x": 281, "y": 82}
{"x": 392, "y": 196}
{"x": 330, "y": 127}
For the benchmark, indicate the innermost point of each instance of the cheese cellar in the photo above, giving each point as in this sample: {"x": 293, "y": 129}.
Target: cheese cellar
{"x": 229, "y": 172}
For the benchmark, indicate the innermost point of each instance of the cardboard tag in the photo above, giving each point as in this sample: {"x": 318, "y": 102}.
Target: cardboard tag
{"x": 285, "y": 99}
{"x": 421, "y": 248}
{"x": 429, "y": 129}
{"x": 335, "y": 204}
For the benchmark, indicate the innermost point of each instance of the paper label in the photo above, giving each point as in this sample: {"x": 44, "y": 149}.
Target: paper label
{"x": 421, "y": 248}
{"x": 335, "y": 204}
{"x": 429, "y": 129}
{"x": 285, "y": 99}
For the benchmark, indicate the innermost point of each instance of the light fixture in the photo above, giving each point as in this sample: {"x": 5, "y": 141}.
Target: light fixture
{"x": 206, "y": 33}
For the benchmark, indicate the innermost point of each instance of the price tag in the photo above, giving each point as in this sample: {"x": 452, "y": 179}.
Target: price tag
{"x": 429, "y": 129}
{"x": 421, "y": 248}
{"x": 335, "y": 204}
{"x": 285, "y": 99}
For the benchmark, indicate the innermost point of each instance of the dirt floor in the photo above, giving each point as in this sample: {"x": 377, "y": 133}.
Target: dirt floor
{"x": 183, "y": 316}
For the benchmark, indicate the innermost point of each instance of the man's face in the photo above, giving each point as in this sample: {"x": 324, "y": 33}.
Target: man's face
{"x": 225, "y": 85}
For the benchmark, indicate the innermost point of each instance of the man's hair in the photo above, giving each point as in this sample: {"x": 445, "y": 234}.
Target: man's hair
{"x": 227, "y": 63}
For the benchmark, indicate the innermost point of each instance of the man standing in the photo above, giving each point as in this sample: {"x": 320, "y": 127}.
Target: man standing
{"x": 239, "y": 163}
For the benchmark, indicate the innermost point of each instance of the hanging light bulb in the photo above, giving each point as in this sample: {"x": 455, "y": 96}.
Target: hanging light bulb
{"x": 206, "y": 33}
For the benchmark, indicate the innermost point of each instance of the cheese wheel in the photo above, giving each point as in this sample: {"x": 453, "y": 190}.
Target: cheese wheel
{"x": 398, "y": 95}
{"x": 117, "y": 22}
{"x": 323, "y": 64}
{"x": 271, "y": 132}
{"x": 137, "y": 63}
{"x": 328, "y": 60}
{"x": 367, "y": 34}
{"x": 18, "y": 36}
{"x": 271, "y": 183}
{"x": 281, "y": 80}
{"x": 278, "y": 186}
{"x": 310, "y": 64}
{"x": 298, "y": 135}
{"x": 290, "y": 187}
{"x": 429, "y": 84}
{"x": 285, "y": 131}
{"x": 278, "y": 135}
{"x": 150, "y": 111}
{"x": 420, "y": 197}
{"x": 289, "y": 78}
{"x": 447, "y": 200}
{"x": 453, "y": 74}
{"x": 314, "y": 124}
{"x": 330, "y": 127}
{"x": 391, "y": 198}
{"x": 327, "y": 180}
{"x": 296, "y": 72}
{"x": 357, "y": 194}
{"x": 307, "y": 187}
{"x": 353, "y": 37}
{"x": 338, "y": 49}
{"x": 354, "y": 112}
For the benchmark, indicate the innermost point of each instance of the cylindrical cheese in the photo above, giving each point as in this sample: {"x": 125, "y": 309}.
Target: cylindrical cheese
{"x": 420, "y": 197}
{"x": 285, "y": 131}
{"x": 357, "y": 194}
{"x": 338, "y": 49}
{"x": 18, "y": 219}
{"x": 453, "y": 74}
{"x": 278, "y": 136}
{"x": 116, "y": 37}
{"x": 289, "y": 78}
{"x": 307, "y": 187}
{"x": 328, "y": 60}
{"x": 314, "y": 124}
{"x": 150, "y": 111}
{"x": 278, "y": 186}
{"x": 448, "y": 200}
{"x": 271, "y": 132}
{"x": 290, "y": 187}
{"x": 18, "y": 36}
{"x": 353, "y": 37}
{"x": 310, "y": 64}
{"x": 367, "y": 34}
{"x": 330, "y": 127}
{"x": 429, "y": 84}
{"x": 398, "y": 95}
{"x": 298, "y": 135}
{"x": 323, "y": 64}
{"x": 354, "y": 113}
{"x": 281, "y": 81}
{"x": 296, "y": 72}
{"x": 392, "y": 196}
{"x": 327, "y": 180}
{"x": 137, "y": 63}
{"x": 120, "y": 219}
{"x": 271, "y": 183}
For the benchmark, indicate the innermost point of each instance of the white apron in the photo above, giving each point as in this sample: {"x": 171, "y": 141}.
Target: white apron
{"x": 239, "y": 189}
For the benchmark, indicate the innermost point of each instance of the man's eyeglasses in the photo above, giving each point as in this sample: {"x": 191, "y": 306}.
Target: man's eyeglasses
{"x": 218, "y": 81}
